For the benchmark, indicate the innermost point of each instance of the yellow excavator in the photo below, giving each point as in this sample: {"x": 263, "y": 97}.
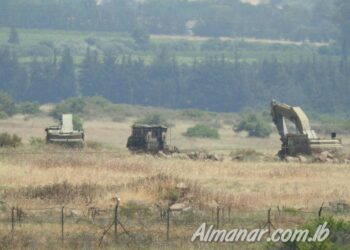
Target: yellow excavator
{"x": 304, "y": 140}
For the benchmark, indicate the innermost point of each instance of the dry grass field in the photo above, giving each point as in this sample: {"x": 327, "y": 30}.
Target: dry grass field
{"x": 41, "y": 177}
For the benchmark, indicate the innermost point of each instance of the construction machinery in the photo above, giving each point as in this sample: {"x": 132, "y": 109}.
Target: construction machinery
{"x": 148, "y": 138}
{"x": 304, "y": 140}
{"x": 64, "y": 134}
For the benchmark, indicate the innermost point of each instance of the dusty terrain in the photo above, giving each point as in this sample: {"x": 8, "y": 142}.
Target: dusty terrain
{"x": 38, "y": 177}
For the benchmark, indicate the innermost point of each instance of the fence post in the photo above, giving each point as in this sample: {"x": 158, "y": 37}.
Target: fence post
{"x": 269, "y": 220}
{"x": 168, "y": 223}
{"x": 116, "y": 218}
{"x": 62, "y": 225}
{"x": 217, "y": 217}
{"x": 12, "y": 219}
{"x": 320, "y": 211}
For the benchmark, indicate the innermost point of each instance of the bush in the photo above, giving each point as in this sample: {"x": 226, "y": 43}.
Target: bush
{"x": 202, "y": 131}
{"x": 338, "y": 238}
{"x": 73, "y": 105}
{"x": 36, "y": 141}
{"x": 255, "y": 124}
{"x": 77, "y": 123}
{"x": 7, "y": 105}
{"x": 3, "y": 115}
{"x": 171, "y": 195}
{"x": 153, "y": 119}
{"x": 193, "y": 114}
{"x": 28, "y": 108}
{"x": 94, "y": 145}
{"x": 6, "y": 140}
{"x": 134, "y": 208}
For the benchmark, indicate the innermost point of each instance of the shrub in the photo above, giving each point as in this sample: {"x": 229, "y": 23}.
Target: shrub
{"x": 28, "y": 108}
{"x": 94, "y": 145}
{"x": 172, "y": 195}
{"x": 77, "y": 123}
{"x": 36, "y": 141}
{"x": 338, "y": 238}
{"x": 6, "y": 140}
{"x": 192, "y": 113}
{"x": 255, "y": 124}
{"x": 202, "y": 131}
{"x": 153, "y": 119}
{"x": 133, "y": 208}
{"x": 3, "y": 115}
{"x": 73, "y": 105}
{"x": 7, "y": 105}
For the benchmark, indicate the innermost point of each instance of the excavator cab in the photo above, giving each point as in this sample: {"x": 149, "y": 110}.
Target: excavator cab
{"x": 304, "y": 140}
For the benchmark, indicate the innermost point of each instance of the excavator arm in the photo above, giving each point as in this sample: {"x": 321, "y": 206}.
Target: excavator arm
{"x": 280, "y": 112}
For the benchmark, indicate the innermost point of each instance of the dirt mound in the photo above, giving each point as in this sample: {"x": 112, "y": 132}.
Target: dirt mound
{"x": 196, "y": 156}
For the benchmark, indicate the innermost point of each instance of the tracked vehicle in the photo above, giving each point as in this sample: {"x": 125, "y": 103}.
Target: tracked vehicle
{"x": 148, "y": 139}
{"x": 64, "y": 134}
{"x": 304, "y": 140}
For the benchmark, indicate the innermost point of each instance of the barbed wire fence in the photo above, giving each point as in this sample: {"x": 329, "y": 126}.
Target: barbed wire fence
{"x": 138, "y": 223}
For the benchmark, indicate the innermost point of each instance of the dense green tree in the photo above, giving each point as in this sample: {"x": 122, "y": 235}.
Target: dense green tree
{"x": 13, "y": 36}
{"x": 89, "y": 73}
{"x": 65, "y": 85}
{"x": 7, "y": 105}
{"x": 342, "y": 18}
{"x": 278, "y": 19}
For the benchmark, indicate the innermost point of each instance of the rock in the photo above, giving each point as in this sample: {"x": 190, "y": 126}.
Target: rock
{"x": 182, "y": 186}
{"x": 202, "y": 156}
{"x": 75, "y": 213}
{"x": 239, "y": 157}
{"x": 329, "y": 160}
{"x": 187, "y": 209}
{"x": 302, "y": 159}
{"x": 346, "y": 161}
{"x": 178, "y": 207}
{"x": 291, "y": 159}
{"x": 214, "y": 157}
{"x": 336, "y": 160}
{"x": 184, "y": 157}
{"x": 213, "y": 204}
{"x": 162, "y": 154}
{"x": 323, "y": 156}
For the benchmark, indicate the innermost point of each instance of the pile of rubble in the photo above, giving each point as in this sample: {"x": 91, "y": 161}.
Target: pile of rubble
{"x": 197, "y": 156}
{"x": 324, "y": 157}
{"x": 250, "y": 157}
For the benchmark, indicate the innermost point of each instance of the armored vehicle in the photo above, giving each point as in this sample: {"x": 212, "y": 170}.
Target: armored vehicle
{"x": 147, "y": 138}
{"x": 304, "y": 140}
{"x": 64, "y": 134}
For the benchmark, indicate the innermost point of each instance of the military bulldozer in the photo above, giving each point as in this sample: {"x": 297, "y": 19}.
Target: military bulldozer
{"x": 304, "y": 140}
{"x": 64, "y": 134}
{"x": 148, "y": 139}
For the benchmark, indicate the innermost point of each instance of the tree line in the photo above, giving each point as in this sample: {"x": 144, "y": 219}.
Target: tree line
{"x": 278, "y": 19}
{"x": 214, "y": 83}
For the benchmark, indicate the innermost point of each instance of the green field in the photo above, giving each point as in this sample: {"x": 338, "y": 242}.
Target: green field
{"x": 40, "y": 44}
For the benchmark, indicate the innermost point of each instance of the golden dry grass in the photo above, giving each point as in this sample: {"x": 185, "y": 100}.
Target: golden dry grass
{"x": 93, "y": 178}
{"x": 245, "y": 185}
